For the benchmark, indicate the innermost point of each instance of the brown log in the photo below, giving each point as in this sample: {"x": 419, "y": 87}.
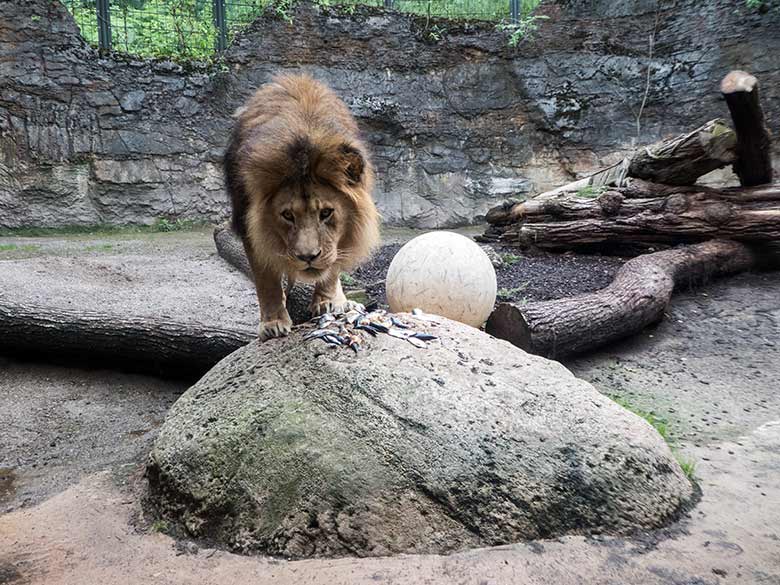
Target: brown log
{"x": 645, "y": 213}
{"x": 677, "y": 161}
{"x": 636, "y": 298}
{"x": 156, "y": 346}
{"x": 682, "y": 160}
{"x": 230, "y": 248}
{"x": 754, "y": 163}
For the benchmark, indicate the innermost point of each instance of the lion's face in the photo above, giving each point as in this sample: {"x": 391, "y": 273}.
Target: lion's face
{"x": 311, "y": 221}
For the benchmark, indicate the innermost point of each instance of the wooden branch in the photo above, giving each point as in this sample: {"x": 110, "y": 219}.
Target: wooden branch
{"x": 636, "y": 298}
{"x": 682, "y": 160}
{"x": 645, "y": 213}
{"x": 677, "y": 161}
{"x": 230, "y": 248}
{"x": 754, "y": 163}
{"x": 142, "y": 344}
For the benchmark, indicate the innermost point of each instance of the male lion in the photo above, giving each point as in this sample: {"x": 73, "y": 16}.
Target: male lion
{"x": 300, "y": 186}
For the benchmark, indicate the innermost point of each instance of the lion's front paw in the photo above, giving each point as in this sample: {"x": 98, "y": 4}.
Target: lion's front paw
{"x": 275, "y": 328}
{"x": 320, "y": 307}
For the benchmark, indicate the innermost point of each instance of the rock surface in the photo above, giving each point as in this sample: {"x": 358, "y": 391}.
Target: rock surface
{"x": 456, "y": 124}
{"x": 295, "y": 449}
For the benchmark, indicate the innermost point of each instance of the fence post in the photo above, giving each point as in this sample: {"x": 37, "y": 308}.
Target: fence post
{"x": 388, "y": 3}
{"x": 220, "y": 23}
{"x": 514, "y": 11}
{"x": 104, "y": 24}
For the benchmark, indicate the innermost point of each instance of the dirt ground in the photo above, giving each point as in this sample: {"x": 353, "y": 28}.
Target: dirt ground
{"x": 74, "y": 442}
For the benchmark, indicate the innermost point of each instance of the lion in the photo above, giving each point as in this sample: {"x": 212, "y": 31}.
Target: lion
{"x": 300, "y": 184}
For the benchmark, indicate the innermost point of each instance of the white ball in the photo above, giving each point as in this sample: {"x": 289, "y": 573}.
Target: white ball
{"x": 443, "y": 273}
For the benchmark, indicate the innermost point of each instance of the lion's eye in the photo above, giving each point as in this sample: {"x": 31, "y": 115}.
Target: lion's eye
{"x": 287, "y": 214}
{"x": 325, "y": 213}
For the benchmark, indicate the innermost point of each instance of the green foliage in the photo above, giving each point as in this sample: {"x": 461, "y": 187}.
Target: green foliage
{"x": 661, "y": 425}
{"x": 180, "y": 29}
{"x": 175, "y": 225}
{"x": 510, "y": 258}
{"x": 160, "y": 526}
{"x": 591, "y": 192}
{"x": 763, "y": 6}
{"x": 161, "y": 225}
{"x": 17, "y": 248}
{"x": 347, "y": 280}
{"x": 99, "y": 248}
{"x": 658, "y": 423}
{"x": 184, "y": 29}
{"x": 688, "y": 466}
{"x": 506, "y": 294}
{"x": 527, "y": 24}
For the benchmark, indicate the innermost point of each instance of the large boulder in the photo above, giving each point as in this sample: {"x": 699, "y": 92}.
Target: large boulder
{"x": 299, "y": 449}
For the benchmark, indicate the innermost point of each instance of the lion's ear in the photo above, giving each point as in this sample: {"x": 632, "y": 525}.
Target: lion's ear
{"x": 354, "y": 164}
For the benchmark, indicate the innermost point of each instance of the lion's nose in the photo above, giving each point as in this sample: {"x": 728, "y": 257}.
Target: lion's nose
{"x": 308, "y": 258}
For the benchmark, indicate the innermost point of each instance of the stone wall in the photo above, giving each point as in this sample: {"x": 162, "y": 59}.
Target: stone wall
{"x": 456, "y": 118}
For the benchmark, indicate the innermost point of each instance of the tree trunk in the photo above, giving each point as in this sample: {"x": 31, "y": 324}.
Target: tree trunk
{"x": 682, "y": 160}
{"x": 149, "y": 345}
{"x": 645, "y": 213}
{"x": 636, "y": 298}
{"x": 754, "y": 164}
{"x": 230, "y": 248}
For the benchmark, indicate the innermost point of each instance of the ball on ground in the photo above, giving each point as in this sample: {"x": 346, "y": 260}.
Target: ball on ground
{"x": 442, "y": 273}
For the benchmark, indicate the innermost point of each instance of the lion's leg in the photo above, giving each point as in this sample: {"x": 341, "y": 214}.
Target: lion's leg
{"x": 329, "y": 297}
{"x": 274, "y": 319}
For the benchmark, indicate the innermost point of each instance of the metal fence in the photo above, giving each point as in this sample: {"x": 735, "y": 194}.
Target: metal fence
{"x": 198, "y": 28}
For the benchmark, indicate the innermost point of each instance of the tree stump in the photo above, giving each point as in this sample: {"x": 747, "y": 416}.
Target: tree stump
{"x": 754, "y": 162}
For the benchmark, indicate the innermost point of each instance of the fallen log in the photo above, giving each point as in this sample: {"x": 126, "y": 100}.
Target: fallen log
{"x": 682, "y": 160}
{"x": 676, "y": 161}
{"x": 230, "y": 248}
{"x": 753, "y": 165}
{"x": 636, "y": 298}
{"x": 645, "y": 213}
{"x": 165, "y": 347}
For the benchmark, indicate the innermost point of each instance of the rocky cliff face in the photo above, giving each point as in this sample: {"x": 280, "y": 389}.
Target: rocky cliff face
{"x": 457, "y": 119}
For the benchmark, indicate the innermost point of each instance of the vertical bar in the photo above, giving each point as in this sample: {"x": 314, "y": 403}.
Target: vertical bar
{"x": 104, "y": 24}
{"x": 220, "y": 23}
{"x": 388, "y": 3}
{"x": 514, "y": 11}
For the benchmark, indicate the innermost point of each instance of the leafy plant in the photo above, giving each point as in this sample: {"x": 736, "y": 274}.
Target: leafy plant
{"x": 523, "y": 28}
{"x": 509, "y": 258}
{"x": 184, "y": 29}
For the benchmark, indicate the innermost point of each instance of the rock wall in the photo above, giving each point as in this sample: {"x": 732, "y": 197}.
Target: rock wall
{"x": 457, "y": 119}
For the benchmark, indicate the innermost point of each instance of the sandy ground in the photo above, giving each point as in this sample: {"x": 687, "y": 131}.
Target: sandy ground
{"x": 73, "y": 444}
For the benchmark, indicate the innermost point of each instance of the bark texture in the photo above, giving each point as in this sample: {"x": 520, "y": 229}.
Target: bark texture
{"x": 642, "y": 213}
{"x": 130, "y": 342}
{"x": 754, "y": 162}
{"x": 636, "y": 298}
{"x": 682, "y": 160}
